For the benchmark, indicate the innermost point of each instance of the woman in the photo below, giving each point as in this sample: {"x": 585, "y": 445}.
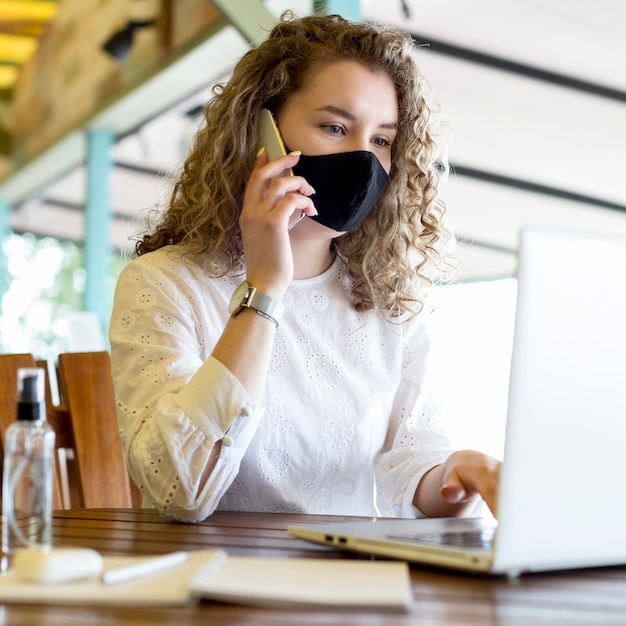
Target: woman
{"x": 326, "y": 409}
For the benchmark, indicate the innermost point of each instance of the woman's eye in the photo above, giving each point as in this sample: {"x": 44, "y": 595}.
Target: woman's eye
{"x": 382, "y": 142}
{"x": 334, "y": 129}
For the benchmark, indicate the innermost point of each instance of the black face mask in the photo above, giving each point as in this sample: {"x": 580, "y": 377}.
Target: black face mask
{"x": 347, "y": 186}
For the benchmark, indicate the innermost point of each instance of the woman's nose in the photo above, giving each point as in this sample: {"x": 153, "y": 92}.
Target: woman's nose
{"x": 358, "y": 142}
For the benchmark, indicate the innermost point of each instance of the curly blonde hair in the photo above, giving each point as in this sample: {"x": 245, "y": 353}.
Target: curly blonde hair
{"x": 391, "y": 255}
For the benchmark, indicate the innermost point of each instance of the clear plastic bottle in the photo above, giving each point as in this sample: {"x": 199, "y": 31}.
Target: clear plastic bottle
{"x": 28, "y": 468}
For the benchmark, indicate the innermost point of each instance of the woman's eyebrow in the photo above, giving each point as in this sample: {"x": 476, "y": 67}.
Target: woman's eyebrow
{"x": 349, "y": 116}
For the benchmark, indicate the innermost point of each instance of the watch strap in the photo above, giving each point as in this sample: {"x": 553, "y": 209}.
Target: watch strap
{"x": 264, "y": 305}
{"x": 252, "y": 298}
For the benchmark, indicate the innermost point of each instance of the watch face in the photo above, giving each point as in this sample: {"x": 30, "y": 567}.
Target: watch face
{"x": 238, "y": 297}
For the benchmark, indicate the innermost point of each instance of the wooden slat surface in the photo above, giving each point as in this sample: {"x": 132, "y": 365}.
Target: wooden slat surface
{"x": 9, "y": 364}
{"x": 86, "y": 386}
{"x": 584, "y": 597}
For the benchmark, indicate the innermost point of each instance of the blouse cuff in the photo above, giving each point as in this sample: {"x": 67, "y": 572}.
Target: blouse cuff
{"x": 213, "y": 398}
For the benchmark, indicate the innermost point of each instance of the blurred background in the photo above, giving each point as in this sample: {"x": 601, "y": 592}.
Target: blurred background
{"x": 99, "y": 99}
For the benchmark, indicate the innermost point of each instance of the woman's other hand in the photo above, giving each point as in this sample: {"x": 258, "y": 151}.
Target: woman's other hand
{"x": 451, "y": 489}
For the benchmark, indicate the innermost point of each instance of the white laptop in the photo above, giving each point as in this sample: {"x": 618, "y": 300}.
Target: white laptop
{"x": 562, "y": 501}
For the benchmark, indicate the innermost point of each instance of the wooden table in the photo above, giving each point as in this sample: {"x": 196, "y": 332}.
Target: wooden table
{"x": 590, "y": 597}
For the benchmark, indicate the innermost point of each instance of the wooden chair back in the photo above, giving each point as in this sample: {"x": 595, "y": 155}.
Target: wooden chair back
{"x": 91, "y": 470}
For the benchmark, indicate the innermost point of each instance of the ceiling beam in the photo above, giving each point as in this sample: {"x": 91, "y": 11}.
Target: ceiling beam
{"x": 249, "y": 17}
{"x": 527, "y": 185}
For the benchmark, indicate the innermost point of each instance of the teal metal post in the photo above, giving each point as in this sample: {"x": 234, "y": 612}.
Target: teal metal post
{"x": 97, "y": 221}
{"x": 350, "y": 9}
{"x": 5, "y": 212}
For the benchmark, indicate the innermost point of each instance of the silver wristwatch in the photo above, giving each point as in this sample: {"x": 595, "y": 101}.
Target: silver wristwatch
{"x": 248, "y": 296}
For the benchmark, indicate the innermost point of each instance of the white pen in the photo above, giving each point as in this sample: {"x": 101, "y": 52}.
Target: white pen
{"x": 145, "y": 568}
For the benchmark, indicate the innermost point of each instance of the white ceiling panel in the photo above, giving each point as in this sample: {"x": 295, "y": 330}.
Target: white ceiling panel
{"x": 478, "y": 263}
{"x": 576, "y": 38}
{"x": 491, "y": 217}
{"x": 530, "y": 130}
{"x": 69, "y": 188}
{"x": 494, "y": 214}
{"x": 134, "y": 192}
{"x": 46, "y": 220}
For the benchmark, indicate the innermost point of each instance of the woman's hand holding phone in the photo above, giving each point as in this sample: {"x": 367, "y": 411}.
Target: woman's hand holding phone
{"x": 271, "y": 140}
{"x": 271, "y": 198}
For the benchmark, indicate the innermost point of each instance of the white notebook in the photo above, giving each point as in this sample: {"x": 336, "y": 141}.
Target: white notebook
{"x": 299, "y": 583}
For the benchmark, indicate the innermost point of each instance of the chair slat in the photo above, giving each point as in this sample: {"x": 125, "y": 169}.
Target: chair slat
{"x": 86, "y": 387}
{"x": 9, "y": 364}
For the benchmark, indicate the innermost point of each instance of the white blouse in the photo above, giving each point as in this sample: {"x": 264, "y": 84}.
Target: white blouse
{"x": 346, "y": 428}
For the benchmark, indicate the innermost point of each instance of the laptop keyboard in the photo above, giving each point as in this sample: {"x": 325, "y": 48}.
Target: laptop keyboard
{"x": 475, "y": 539}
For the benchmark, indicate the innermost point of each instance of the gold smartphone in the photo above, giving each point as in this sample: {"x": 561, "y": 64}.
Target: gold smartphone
{"x": 270, "y": 139}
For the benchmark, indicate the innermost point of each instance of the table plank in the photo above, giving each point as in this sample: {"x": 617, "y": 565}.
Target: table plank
{"x": 239, "y": 533}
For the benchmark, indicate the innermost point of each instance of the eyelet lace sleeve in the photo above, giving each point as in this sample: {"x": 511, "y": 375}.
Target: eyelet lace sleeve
{"x": 184, "y": 419}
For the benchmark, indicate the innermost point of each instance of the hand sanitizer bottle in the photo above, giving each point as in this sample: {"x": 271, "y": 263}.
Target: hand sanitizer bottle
{"x": 28, "y": 469}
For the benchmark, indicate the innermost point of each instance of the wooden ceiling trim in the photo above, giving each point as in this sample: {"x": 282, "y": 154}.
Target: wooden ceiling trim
{"x": 71, "y": 75}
